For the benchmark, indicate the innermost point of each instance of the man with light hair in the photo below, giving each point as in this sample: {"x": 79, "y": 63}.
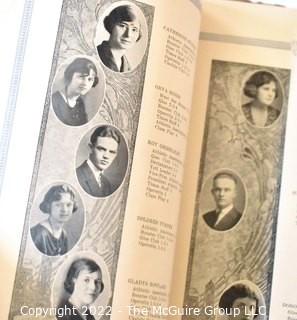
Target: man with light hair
{"x": 224, "y": 191}
{"x": 104, "y": 144}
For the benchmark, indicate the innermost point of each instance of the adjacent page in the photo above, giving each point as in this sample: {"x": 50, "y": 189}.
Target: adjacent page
{"x": 241, "y": 157}
{"x": 283, "y": 297}
{"x": 104, "y": 193}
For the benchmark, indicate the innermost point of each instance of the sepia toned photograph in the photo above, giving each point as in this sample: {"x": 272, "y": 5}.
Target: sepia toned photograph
{"x": 78, "y": 90}
{"x": 57, "y": 224}
{"x": 237, "y": 188}
{"x": 121, "y": 36}
{"x": 243, "y": 300}
{"x": 102, "y": 161}
{"x": 224, "y": 196}
{"x": 82, "y": 95}
{"x": 82, "y": 286}
{"x": 262, "y": 99}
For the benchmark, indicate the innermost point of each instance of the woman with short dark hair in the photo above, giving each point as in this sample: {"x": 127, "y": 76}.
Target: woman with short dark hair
{"x": 80, "y": 76}
{"x": 241, "y": 298}
{"x": 124, "y": 28}
{"x": 49, "y": 236}
{"x": 84, "y": 284}
{"x": 263, "y": 90}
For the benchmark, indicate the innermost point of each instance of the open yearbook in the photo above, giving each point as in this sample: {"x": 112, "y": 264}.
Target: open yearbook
{"x": 151, "y": 167}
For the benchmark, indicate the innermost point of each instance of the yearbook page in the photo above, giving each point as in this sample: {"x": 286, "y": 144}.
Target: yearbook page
{"x": 283, "y": 297}
{"x": 95, "y": 168}
{"x": 244, "y": 63}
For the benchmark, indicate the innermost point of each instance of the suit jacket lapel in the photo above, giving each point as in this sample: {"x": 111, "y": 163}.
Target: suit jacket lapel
{"x": 90, "y": 180}
{"x": 227, "y": 220}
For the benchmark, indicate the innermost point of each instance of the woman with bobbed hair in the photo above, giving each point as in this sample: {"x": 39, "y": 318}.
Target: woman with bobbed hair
{"x": 241, "y": 298}
{"x": 49, "y": 236}
{"x": 124, "y": 28}
{"x": 262, "y": 88}
{"x": 80, "y": 76}
{"x": 83, "y": 284}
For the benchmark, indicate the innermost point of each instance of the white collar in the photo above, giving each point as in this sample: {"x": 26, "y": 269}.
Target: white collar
{"x": 96, "y": 172}
{"x": 68, "y": 102}
{"x": 223, "y": 212}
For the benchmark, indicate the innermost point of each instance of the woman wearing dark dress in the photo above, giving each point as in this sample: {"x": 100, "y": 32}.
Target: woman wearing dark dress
{"x": 80, "y": 77}
{"x": 49, "y": 236}
{"x": 83, "y": 284}
{"x": 262, "y": 88}
{"x": 125, "y": 30}
{"x": 240, "y": 303}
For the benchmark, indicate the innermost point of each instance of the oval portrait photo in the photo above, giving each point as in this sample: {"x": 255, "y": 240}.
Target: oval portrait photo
{"x": 243, "y": 300}
{"x": 262, "y": 99}
{"x": 57, "y": 219}
{"x": 102, "y": 160}
{"x": 82, "y": 287}
{"x": 222, "y": 200}
{"x": 121, "y": 36}
{"x": 78, "y": 90}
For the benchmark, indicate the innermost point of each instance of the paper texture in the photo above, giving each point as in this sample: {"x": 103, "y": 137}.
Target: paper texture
{"x": 110, "y": 100}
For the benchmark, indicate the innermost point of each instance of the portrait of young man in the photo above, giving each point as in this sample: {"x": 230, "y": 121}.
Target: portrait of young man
{"x": 103, "y": 150}
{"x": 224, "y": 192}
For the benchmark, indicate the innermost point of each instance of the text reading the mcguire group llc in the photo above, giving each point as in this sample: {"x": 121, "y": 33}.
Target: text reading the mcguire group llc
{"x": 143, "y": 307}
{"x": 165, "y": 171}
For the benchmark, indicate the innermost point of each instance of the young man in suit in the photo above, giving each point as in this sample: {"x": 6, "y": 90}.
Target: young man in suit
{"x": 224, "y": 191}
{"x": 104, "y": 144}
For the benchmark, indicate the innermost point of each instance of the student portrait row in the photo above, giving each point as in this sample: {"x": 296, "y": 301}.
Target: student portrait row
{"x": 239, "y": 174}
{"x": 121, "y": 41}
{"x": 102, "y": 161}
{"x": 78, "y": 194}
{"x": 79, "y": 87}
{"x": 258, "y": 94}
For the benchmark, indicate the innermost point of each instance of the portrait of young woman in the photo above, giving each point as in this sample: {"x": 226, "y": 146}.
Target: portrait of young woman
{"x": 63, "y": 208}
{"x": 264, "y": 96}
{"x": 121, "y": 37}
{"x": 82, "y": 286}
{"x": 243, "y": 300}
{"x": 78, "y": 91}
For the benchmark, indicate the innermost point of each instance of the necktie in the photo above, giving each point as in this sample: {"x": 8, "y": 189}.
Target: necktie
{"x": 99, "y": 180}
{"x": 218, "y": 217}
